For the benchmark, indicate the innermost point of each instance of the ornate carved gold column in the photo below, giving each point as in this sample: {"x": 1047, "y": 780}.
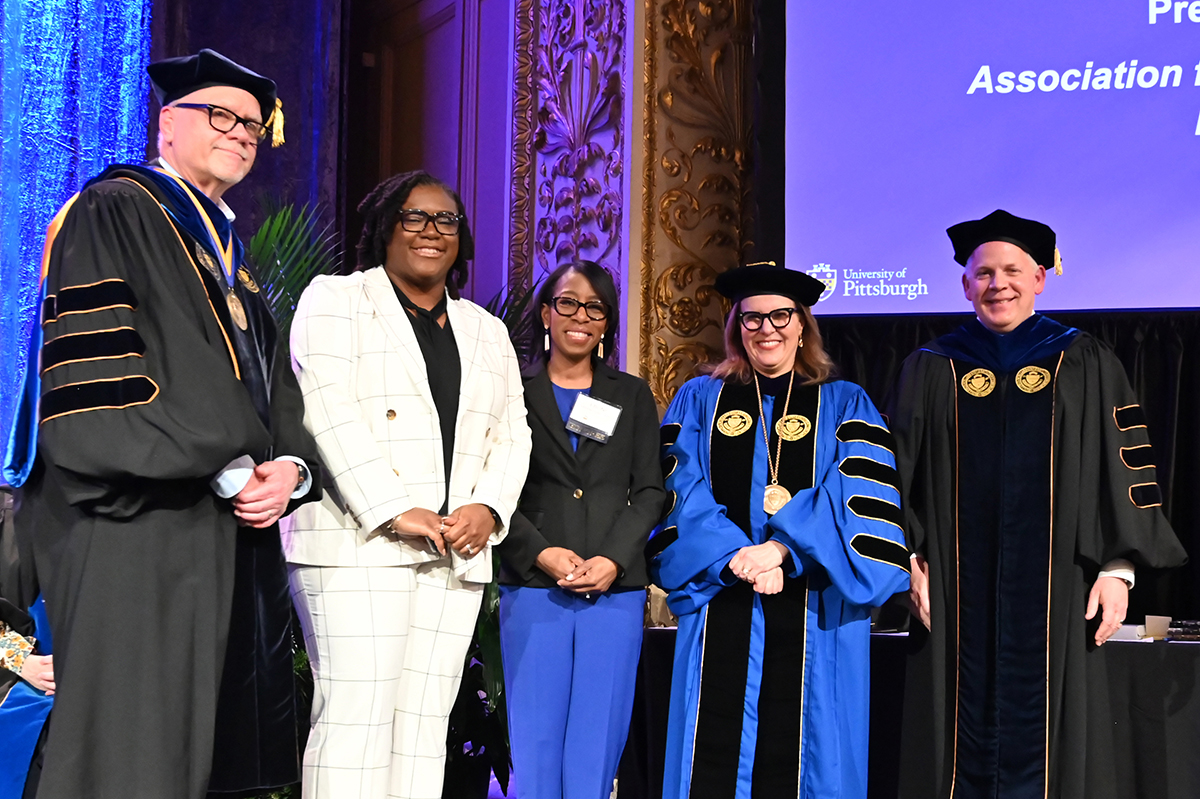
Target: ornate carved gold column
{"x": 696, "y": 208}
{"x": 568, "y": 147}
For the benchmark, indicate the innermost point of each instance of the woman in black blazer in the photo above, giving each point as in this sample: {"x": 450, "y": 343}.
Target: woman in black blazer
{"x": 572, "y": 570}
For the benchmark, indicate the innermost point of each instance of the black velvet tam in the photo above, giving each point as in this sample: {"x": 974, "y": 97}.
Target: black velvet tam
{"x": 1033, "y": 237}
{"x": 174, "y": 78}
{"x": 767, "y": 278}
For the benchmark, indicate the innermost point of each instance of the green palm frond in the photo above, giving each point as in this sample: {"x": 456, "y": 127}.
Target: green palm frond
{"x": 290, "y": 248}
{"x": 514, "y": 308}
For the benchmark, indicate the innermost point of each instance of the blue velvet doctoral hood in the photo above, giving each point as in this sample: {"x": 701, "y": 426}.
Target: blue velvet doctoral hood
{"x": 1035, "y": 338}
{"x": 181, "y": 209}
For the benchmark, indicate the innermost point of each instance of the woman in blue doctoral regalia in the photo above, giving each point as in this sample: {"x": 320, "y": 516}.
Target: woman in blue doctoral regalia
{"x": 779, "y": 538}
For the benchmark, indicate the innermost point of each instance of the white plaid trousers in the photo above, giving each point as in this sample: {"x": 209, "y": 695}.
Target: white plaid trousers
{"x": 387, "y": 646}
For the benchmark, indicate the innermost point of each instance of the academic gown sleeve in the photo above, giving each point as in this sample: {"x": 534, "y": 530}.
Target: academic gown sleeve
{"x": 849, "y": 524}
{"x": 1121, "y": 503}
{"x": 137, "y": 383}
{"x": 908, "y": 421}
{"x": 689, "y": 555}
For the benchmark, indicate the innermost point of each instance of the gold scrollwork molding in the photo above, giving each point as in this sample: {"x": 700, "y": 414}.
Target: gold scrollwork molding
{"x": 520, "y": 240}
{"x": 696, "y": 208}
{"x": 567, "y": 133}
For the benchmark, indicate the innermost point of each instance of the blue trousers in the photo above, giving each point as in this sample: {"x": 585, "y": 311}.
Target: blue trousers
{"x": 570, "y": 665}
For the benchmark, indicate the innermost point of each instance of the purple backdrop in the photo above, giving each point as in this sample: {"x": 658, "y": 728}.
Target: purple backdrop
{"x": 886, "y": 148}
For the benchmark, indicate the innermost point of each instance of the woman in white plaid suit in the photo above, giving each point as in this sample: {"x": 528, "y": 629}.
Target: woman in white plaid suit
{"x": 414, "y": 397}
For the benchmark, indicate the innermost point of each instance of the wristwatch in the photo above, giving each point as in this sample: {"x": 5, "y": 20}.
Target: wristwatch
{"x": 495, "y": 517}
{"x": 303, "y": 478}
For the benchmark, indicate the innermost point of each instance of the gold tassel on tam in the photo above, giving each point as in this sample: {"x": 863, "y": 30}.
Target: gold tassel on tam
{"x": 1057, "y": 262}
{"x": 276, "y": 123}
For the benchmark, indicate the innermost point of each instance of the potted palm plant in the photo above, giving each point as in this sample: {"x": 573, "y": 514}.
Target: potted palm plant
{"x": 291, "y": 247}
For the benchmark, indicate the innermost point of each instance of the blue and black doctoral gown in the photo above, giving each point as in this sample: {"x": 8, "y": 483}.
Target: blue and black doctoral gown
{"x": 149, "y": 386}
{"x": 1026, "y": 467}
{"x": 769, "y": 693}
{"x": 23, "y": 708}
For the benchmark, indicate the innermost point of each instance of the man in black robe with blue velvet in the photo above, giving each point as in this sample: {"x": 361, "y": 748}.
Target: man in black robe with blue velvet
{"x": 166, "y": 444}
{"x": 1030, "y": 495}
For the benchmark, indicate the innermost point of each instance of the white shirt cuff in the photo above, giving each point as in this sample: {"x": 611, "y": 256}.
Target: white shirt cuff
{"x": 230, "y": 481}
{"x": 1119, "y": 568}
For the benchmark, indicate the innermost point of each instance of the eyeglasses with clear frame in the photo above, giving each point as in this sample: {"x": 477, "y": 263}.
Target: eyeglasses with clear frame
{"x": 223, "y": 120}
{"x": 779, "y": 318}
{"x": 414, "y": 220}
{"x": 568, "y": 306}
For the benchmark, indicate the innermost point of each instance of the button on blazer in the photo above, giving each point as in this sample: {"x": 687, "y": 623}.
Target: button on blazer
{"x": 368, "y": 404}
{"x": 602, "y": 499}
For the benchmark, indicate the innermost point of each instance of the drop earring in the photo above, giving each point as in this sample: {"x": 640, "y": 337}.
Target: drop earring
{"x": 801, "y": 345}
{"x": 600, "y": 350}
{"x": 546, "y": 341}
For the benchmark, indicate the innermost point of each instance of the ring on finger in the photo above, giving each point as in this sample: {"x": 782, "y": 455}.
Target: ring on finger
{"x": 470, "y": 549}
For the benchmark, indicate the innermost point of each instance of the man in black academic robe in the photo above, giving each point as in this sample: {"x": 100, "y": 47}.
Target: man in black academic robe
{"x": 169, "y": 442}
{"x": 1030, "y": 495}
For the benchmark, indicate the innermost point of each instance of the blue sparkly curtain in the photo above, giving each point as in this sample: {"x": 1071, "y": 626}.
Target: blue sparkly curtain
{"x": 73, "y": 98}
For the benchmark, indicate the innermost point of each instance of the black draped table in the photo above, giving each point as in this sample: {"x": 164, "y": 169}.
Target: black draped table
{"x": 1152, "y": 687}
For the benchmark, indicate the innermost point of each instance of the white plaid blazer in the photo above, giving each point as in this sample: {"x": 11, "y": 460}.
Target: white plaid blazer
{"x": 368, "y": 404}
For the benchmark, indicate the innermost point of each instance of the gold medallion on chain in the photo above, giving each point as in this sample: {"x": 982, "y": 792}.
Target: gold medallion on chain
{"x": 775, "y": 496}
{"x": 236, "y": 310}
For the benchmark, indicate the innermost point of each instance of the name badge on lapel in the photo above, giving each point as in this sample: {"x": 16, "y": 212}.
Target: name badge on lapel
{"x": 593, "y": 418}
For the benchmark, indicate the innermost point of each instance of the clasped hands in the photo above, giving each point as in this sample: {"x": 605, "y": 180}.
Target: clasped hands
{"x": 264, "y": 499}
{"x": 466, "y": 530}
{"x": 761, "y": 565}
{"x": 573, "y": 573}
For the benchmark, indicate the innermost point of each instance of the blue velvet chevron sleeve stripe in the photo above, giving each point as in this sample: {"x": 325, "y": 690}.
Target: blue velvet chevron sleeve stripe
{"x": 857, "y": 497}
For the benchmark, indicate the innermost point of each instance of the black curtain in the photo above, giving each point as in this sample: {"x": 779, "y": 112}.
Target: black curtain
{"x": 1161, "y": 354}
{"x": 301, "y": 47}
{"x": 770, "y": 123}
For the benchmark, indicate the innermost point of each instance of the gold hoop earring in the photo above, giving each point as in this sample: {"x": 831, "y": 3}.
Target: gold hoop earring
{"x": 801, "y": 343}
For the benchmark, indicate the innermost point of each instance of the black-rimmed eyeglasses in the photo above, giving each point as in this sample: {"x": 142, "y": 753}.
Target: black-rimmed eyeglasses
{"x": 779, "y": 318}
{"x": 414, "y": 220}
{"x": 567, "y": 306}
{"x": 223, "y": 120}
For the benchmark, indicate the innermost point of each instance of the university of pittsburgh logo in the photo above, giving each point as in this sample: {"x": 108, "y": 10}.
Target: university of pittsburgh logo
{"x": 827, "y": 275}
